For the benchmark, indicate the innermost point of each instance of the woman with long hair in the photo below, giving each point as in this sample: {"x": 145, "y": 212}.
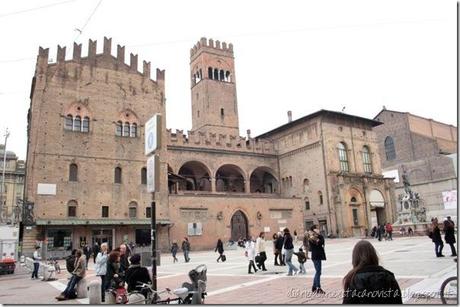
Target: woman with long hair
{"x": 367, "y": 282}
{"x": 289, "y": 250}
{"x": 113, "y": 268}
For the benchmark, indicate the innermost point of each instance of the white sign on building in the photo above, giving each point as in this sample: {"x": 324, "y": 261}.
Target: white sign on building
{"x": 152, "y": 134}
{"x": 46, "y": 189}
{"x": 449, "y": 198}
{"x": 392, "y": 173}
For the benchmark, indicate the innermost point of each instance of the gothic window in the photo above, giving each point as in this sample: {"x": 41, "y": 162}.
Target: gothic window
{"x": 68, "y": 122}
{"x": 144, "y": 175}
{"x": 306, "y": 182}
{"x": 117, "y": 175}
{"x": 77, "y": 123}
{"x": 126, "y": 129}
{"x": 73, "y": 172}
{"x": 216, "y": 74}
{"x": 221, "y": 75}
{"x": 355, "y": 217}
{"x": 227, "y": 76}
{"x": 72, "y": 208}
{"x": 343, "y": 159}
{"x": 210, "y": 73}
{"x": 307, "y": 203}
{"x": 148, "y": 212}
{"x": 133, "y": 132}
{"x": 367, "y": 160}
{"x": 85, "y": 124}
{"x": 389, "y": 148}
{"x": 119, "y": 129}
{"x": 320, "y": 196}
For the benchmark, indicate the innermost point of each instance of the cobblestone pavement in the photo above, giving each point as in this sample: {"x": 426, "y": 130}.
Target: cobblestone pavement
{"x": 412, "y": 260}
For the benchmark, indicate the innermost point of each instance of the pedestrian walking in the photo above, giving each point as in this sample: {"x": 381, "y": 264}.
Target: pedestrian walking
{"x": 367, "y": 281}
{"x": 100, "y": 267}
{"x": 435, "y": 235}
{"x": 174, "y": 249}
{"x": 186, "y": 249}
{"x": 410, "y": 232}
{"x": 87, "y": 253}
{"x": 124, "y": 256}
{"x": 381, "y": 232}
{"x": 317, "y": 256}
{"x": 260, "y": 250}
{"x": 78, "y": 274}
{"x": 302, "y": 258}
{"x": 276, "y": 252}
{"x": 289, "y": 251}
{"x": 250, "y": 253}
{"x": 220, "y": 249}
{"x": 389, "y": 231}
{"x": 279, "y": 247}
{"x": 374, "y": 232}
{"x": 37, "y": 258}
{"x": 449, "y": 235}
{"x": 96, "y": 251}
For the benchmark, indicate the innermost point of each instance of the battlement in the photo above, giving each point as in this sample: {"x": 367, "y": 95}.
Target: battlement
{"x": 218, "y": 141}
{"x": 97, "y": 59}
{"x": 204, "y": 43}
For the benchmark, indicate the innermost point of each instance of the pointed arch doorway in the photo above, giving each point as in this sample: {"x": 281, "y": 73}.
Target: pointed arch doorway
{"x": 239, "y": 226}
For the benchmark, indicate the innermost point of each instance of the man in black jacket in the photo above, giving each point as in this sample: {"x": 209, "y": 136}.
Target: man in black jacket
{"x": 449, "y": 231}
{"x": 317, "y": 255}
{"x": 279, "y": 246}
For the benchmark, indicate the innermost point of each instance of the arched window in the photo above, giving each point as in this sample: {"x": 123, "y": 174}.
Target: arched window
{"x": 343, "y": 159}
{"x": 126, "y": 129}
{"x": 68, "y": 122}
{"x": 307, "y": 203}
{"x": 144, "y": 175}
{"x": 367, "y": 163}
{"x": 133, "y": 133}
{"x": 306, "y": 182}
{"x": 389, "y": 148}
{"x": 85, "y": 124}
{"x": 73, "y": 172}
{"x": 353, "y": 200}
{"x": 216, "y": 74}
{"x": 119, "y": 129}
{"x": 77, "y": 123}
{"x": 117, "y": 175}
{"x": 227, "y": 76}
{"x": 132, "y": 213}
{"x": 320, "y": 196}
{"x": 221, "y": 75}
{"x": 72, "y": 208}
{"x": 210, "y": 73}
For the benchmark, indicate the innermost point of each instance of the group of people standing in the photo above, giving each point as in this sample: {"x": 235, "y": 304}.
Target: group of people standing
{"x": 382, "y": 231}
{"x": 449, "y": 236}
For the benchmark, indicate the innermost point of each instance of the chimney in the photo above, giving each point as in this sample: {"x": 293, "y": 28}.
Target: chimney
{"x": 289, "y": 116}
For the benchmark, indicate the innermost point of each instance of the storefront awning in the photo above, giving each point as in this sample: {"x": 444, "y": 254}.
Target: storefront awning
{"x": 100, "y": 222}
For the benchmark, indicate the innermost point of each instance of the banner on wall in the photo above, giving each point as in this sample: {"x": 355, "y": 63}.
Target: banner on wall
{"x": 449, "y": 198}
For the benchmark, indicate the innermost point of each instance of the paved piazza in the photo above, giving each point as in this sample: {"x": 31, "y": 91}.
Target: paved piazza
{"x": 412, "y": 260}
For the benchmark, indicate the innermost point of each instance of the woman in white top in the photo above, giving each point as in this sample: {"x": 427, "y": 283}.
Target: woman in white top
{"x": 101, "y": 268}
{"x": 251, "y": 254}
{"x": 37, "y": 259}
{"x": 260, "y": 249}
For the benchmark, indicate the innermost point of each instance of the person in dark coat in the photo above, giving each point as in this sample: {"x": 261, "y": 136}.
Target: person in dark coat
{"x": 87, "y": 253}
{"x": 436, "y": 238}
{"x": 186, "y": 249}
{"x": 381, "y": 232}
{"x": 276, "y": 252}
{"x": 96, "y": 251}
{"x": 220, "y": 249}
{"x": 135, "y": 274}
{"x": 279, "y": 246}
{"x": 174, "y": 249}
{"x": 449, "y": 234}
{"x": 289, "y": 251}
{"x": 70, "y": 262}
{"x": 368, "y": 283}
{"x": 124, "y": 263}
{"x": 317, "y": 255}
{"x": 113, "y": 268}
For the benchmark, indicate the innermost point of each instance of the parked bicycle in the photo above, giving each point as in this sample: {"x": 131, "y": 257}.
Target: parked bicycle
{"x": 449, "y": 290}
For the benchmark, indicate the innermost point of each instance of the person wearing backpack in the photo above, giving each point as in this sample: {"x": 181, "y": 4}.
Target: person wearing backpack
{"x": 70, "y": 262}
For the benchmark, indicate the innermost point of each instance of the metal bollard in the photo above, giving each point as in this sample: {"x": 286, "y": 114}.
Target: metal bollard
{"x": 94, "y": 292}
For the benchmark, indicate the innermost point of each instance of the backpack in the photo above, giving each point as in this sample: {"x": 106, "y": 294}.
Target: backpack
{"x": 70, "y": 263}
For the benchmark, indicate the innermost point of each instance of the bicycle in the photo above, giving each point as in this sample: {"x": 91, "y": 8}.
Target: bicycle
{"x": 147, "y": 295}
{"x": 449, "y": 290}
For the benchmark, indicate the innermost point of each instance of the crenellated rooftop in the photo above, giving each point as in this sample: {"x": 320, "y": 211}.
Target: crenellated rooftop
{"x": 94, "y": 58}
{"x": 219, "y": 141}
{"x": 211, "y": 44}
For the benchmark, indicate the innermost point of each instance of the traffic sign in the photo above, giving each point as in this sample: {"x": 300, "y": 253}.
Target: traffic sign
{"x": 152, "y": 134}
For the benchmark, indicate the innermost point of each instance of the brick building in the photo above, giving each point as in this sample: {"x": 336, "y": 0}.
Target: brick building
{"x": 86, "y": 166}
{"x": 426, "y": 150}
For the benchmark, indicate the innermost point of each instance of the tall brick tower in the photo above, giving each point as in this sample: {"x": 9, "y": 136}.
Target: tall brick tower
{"x": 214, "y": 103}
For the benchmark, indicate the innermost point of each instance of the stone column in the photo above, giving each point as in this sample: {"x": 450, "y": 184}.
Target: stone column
{"x": 247, "y": 186}
{"x": 213, "y": 184}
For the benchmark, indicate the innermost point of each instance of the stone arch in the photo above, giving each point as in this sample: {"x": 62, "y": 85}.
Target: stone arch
{"x": 416, "y": 175}
{"x": 197, "y": 175}
{"x": 78, "y": 109}
{"x": 377, "y": 204}
{"x": 263, "y": 180}
{"x": 355, "y": 193}
{"x": 230, "y": 178}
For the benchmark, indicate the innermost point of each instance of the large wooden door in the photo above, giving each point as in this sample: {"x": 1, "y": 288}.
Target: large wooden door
{"x": 239, "y": 224}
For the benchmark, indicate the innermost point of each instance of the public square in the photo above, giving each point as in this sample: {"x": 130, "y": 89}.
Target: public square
{"x": 411, "y": 259}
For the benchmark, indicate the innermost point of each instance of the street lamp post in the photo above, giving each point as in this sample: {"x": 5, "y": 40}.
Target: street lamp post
{"x": 7, "y": 134}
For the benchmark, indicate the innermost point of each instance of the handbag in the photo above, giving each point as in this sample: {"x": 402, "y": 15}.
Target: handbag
{"x": 224, "y": 258}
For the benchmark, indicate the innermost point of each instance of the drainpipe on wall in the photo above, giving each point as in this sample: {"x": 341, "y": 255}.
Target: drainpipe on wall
{"x": 326, "y": 181}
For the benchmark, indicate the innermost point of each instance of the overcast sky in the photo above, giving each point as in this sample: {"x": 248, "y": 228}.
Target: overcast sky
{"x": 292, "y": 55}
